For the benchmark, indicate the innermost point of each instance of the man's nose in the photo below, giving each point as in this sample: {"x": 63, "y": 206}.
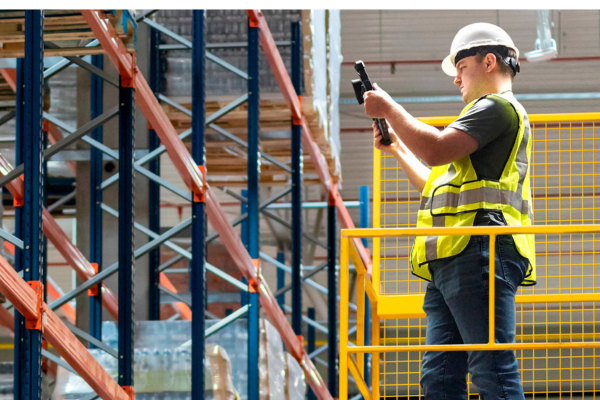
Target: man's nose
{"x": 457, "y": 81}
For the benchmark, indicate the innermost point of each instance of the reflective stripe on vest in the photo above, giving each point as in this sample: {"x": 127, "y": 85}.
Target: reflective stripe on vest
{"x": 452, "y": 196}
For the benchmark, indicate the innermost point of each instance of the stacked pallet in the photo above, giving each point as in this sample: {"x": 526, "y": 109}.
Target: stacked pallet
{"x": 321, "y": 85}
{"x": 227, "y": 160}
{"x": 7, "y": 94}
{"x": 65, "y": 28}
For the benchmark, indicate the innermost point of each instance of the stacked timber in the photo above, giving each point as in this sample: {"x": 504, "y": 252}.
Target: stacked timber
{"x": 66, "y": 29}
{"x": 227, "y": 160}
{"x": 226, "y": 34}
{"x": 6, "y": 93}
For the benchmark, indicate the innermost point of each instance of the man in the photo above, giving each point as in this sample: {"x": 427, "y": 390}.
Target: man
{"x": 480, "y": 176}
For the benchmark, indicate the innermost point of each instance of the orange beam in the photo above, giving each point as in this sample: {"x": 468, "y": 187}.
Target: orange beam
{"x": 10, "y": 76}
{"x": 144, "y": 97}
{"x": 125, "y": 63}
{"x": 7, "y": 320}
{"x": 61, "y": 242}
{"x": 76, "y": 260}
{"x": 181, "y": 308}
{"x": 191, "y": 175}
{"x": 285, "y": 84}
{"x": 56, "y": 333}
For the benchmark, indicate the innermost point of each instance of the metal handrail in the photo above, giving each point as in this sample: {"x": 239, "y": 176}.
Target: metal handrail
{"x": 365, "y": 286}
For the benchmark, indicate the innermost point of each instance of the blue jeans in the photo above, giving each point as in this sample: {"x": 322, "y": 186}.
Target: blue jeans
{"x": 456, "y": 304}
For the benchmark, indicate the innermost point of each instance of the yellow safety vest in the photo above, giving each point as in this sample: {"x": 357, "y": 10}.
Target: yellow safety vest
{"x": 453, "y": 194}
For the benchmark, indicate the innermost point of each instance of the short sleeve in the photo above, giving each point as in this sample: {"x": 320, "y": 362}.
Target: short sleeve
{"x": 487, "y": 119}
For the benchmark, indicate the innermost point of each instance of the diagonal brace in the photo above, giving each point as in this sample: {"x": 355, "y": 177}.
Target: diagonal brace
{"x": 64, "y": 142}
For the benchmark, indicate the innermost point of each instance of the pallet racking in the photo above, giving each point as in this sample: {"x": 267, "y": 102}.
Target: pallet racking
{"x": 113, "y": 34}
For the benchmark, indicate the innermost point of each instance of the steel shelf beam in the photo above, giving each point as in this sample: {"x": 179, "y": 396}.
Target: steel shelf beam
{"x": 28, "y": 341}
{"x": 63, "y": 244}
{"x": 332, "y": 303}
{"x": 96, "y": 106}
{"x": 311, "y": 339}
{"x": 197, "y": 263}
{"x": 58, "y": 334}
{"x": 126, "y": 220}
{"x": 153, "y": 187}
{"x": 252, "y": 207}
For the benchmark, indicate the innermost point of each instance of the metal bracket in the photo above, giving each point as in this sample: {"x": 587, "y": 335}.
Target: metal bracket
{"x": 128, "y": 77}
{"x": 94, "y": 290}
{"x": 331, "y": 198}
{"x": 129, "y": 391}
{"x": 301, "y": 340}
{"x": 297, "y": 119}
{"x": 253, "y": 285}
{"x": 37, "y": 322}
{"x": 253, "y": 21}
{"x": 19, "y": 201}
{"x": 200, "y": 194}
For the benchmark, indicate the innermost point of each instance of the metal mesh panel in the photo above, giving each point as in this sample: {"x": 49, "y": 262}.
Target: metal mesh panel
{"x": 565, "y": 187}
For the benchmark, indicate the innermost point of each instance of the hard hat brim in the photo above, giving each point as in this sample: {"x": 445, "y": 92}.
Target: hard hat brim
{"x": 448, "y": 67}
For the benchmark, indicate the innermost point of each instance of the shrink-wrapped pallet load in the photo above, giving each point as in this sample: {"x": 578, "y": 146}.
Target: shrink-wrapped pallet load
{"x": 218, "y": 367}
{"x": 295, "y": 385}
{"x": 271, "y": 363}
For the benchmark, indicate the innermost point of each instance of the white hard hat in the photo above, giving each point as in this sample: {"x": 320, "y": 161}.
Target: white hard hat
{"x": 476, "y": 35}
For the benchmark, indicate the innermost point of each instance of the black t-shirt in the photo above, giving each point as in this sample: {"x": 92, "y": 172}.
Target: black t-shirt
{"x": 494, "y": 123}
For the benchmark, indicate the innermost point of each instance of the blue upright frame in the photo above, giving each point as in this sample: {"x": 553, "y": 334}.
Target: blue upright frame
{"x": 281, "y": 279}
{"x": 31, "y": 84}
{"x": 19, "y": 355}
{"x": 97, "y": 108}
{"x": 154, "y": 187}
{"x": 364, "y": 223}
{"x": 311, "y": 339}
{"x": 297, "y": 61}
{"x": 126, "y": 232}
{"x": 332, "y": 304}
{"x": 197, "y": 263}
{"x": 253, "y": 206}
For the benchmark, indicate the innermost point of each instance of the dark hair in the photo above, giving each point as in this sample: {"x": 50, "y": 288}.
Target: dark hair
{"x": 506, "y": 58}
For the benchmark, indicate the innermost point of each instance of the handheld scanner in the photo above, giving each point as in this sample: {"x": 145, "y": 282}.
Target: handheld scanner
{"x": 359, "y": 66}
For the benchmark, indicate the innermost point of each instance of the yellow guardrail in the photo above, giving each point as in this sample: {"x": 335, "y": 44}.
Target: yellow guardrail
{"x": 565, "y": 182}
{"x": 365, "y": 285}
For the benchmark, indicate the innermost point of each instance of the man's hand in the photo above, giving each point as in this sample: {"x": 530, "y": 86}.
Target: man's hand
{"x": 377, "y": 102}
{"x": 392, "y": 147}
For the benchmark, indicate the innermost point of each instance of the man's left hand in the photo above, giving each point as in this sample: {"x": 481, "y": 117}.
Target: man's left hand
{"x": 377, "y": 102}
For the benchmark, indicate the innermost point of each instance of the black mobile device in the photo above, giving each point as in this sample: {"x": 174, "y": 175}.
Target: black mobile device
{"x": 363, "y": 85}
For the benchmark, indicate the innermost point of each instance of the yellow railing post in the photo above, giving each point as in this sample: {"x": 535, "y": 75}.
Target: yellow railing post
{"x": 360, "y": 319}
{"x": 344, "y": 288}
{"x": 375, "y": 332}
{"x": 492, "y": 313}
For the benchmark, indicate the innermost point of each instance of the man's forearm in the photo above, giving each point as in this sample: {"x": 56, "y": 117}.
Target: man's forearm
{"x": 415, "y": 171}
{"x": 419, "y": 137}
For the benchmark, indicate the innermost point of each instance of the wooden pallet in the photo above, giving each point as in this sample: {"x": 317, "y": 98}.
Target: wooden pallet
{"x": 6, "y": 92}
{"x": 227, "y": 158}
{"x": 65, "y": 28}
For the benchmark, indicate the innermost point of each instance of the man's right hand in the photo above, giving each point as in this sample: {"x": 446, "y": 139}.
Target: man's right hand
{"x": 392, "y": 147}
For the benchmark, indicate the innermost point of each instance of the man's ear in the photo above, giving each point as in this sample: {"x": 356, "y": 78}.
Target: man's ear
{"x": 490, "y": 61}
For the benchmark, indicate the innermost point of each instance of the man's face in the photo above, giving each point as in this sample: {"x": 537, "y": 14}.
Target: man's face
{"x": 470, "y": 75}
